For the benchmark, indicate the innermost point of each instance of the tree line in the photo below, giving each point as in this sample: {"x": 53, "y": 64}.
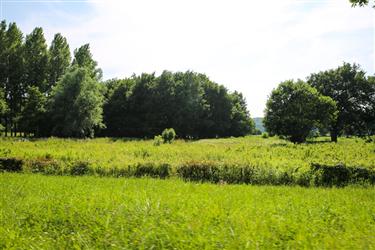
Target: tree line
{"x": 339, "y": 101}
{"x": 46, "y": 92}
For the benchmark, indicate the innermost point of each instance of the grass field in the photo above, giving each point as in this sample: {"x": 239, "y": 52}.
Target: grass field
{"x": 251, "y": 159}
{"x": 62, "y": 212}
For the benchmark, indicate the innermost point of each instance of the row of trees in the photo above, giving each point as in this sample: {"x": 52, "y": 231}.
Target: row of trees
{"x": 338, "y": 101}
{"x": 28, "y": 73}
{"x": 44, "y": 92}
{"x": 189, "y": 102}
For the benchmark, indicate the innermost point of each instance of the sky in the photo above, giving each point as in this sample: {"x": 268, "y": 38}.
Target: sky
{"x": 246, "y": 45}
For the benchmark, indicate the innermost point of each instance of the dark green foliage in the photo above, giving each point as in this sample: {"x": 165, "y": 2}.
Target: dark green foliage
{"x": 36, "y": 60}
{"x": 11, "y": 164}
{"x": 34, "y": 111}
{"x": 59, "y": 60}
{"x": 295, "y": 108}
{"x": 319, "y": 175}
{"x": 149, "y": 169}
{"x": 80, "y": 168}
{"x": 237, "y": 174}
{"x": 168, "y": 135}
{"x": 13, "y": 69}
{"x": 76, "y": 105}
{"x": 142, "y": 106}
{"x": 354, "y": 96}
{"x": 340, "y": 175}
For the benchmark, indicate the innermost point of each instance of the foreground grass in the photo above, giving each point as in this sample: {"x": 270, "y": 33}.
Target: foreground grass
{"x": 48, "y": 212}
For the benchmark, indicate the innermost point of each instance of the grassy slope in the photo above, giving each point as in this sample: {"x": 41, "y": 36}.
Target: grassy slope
{"x": 89, "y": 212}
{"x": 255, "y": 151}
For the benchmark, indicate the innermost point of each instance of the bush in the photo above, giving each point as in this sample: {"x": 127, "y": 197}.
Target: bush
{"x": 80, "y": 168}
{"x": 233, "y": 174}
{"x": 168, "y": 135}
{"x": 149, "y": 169}
{"x": 340, "y": 175}
{"x": 45, "y": 165}
{"x": 11, "y": 164}
{"x": 158, "y": 140}
{"x": 265, "y": 135}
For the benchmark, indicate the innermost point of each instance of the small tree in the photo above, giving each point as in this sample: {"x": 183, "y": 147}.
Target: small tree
{"x": 295, "y": 108}
{"x": 168, "y": 135}
{"x": 76, "y": 107}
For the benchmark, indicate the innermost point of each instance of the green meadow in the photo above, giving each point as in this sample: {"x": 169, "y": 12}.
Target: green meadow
{"x": 64, "y": 212}
{"x": 235, "y": 193}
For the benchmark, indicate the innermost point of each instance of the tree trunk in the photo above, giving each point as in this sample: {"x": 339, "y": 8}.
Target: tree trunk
{"x": 334, "y": 135}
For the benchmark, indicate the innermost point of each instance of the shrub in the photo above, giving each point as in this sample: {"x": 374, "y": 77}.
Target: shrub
{"x": 168, "y": 135}
{"x": 80, "y": 168}
{"x": 149, "y": 169}
{"x": 44, "y": 165}
{"x": 11, "y": 164}
{"x": 158, "y": 140}
{"x": 265, "y": 135}
{"x": 340, "y": 175}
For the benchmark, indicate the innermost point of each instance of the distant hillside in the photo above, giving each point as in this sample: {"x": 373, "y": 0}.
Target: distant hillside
{"x": 259, "y": 124}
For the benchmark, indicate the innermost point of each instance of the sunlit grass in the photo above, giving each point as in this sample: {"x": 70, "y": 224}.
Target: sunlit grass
{"x": 47, "y": 212}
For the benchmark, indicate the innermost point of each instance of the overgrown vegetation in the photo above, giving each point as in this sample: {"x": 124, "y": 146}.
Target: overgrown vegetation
{"x": 250, "y": 160}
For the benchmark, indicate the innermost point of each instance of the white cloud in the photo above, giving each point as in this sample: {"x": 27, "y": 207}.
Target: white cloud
{"x": 246, "y": 45}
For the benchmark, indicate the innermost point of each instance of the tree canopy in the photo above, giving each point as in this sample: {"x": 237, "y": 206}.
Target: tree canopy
{"x": 59, "y": 59}
{"x": 295, "y": 108}
{"x": 353, "y": 93}
{"x": 188, "y": 102}
{"x": 36, "y": 60}
{"x": 76, "y": 104}
{"x": 83, "y": 58}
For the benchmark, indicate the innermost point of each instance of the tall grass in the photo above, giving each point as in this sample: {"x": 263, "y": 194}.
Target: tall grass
{"x": 252, "y": 160}
{"x": 47, "y": 212}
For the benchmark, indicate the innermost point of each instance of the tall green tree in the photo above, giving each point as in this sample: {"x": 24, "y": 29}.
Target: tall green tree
{"x": 3, "y": 57}
{"x": 295, "y": 108}
{"x": 83, "y": 58}
{"x": 36, "y": 60}
{"x": 76, "y": 104}
{"x": 14, "y": 75}
{"x": 59, "y": 60}
{"x": 348, "y": 87}
{"x": 33, "y": 113}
